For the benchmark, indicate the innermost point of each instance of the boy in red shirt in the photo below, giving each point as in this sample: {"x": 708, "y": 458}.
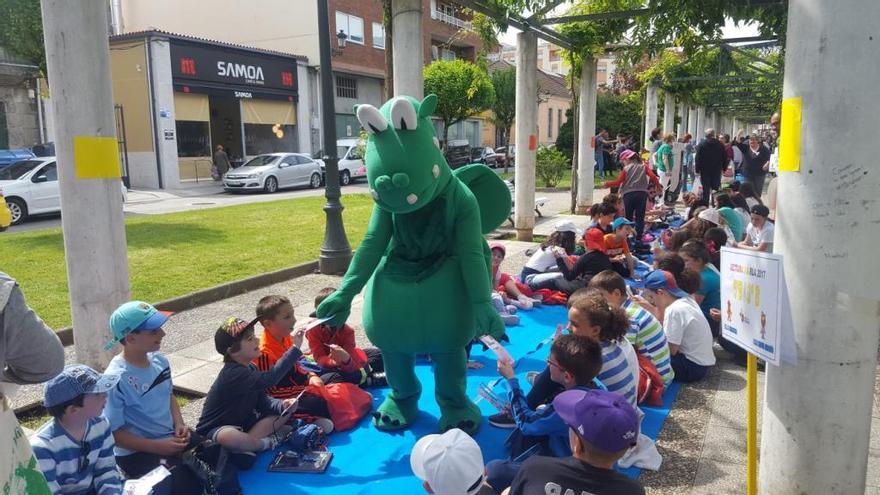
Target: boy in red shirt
{"x": 275, "y": 313}
{"x": 335, "y": 350}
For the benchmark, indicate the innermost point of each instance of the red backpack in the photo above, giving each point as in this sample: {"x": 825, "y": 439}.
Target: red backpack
{"x": 650, "y": 383}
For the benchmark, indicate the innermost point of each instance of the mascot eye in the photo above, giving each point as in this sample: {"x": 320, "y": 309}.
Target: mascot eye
{"x": 403, "y": 115}
{"x": 371, "y": 120}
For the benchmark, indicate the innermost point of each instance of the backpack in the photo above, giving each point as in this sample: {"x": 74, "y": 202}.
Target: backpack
{"x": 650, "y": 383}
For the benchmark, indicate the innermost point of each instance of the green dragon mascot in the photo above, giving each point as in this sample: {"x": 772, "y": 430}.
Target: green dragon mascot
{"x": 424, "y": 261}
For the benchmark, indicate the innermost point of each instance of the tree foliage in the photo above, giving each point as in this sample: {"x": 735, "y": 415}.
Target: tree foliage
{"x": 619, "y": 113}
{"x": 462, "y": 88}
{"x": 21, "y": 30}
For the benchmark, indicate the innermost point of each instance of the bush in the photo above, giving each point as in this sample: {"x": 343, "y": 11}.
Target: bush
{"x": 550, "y": 166}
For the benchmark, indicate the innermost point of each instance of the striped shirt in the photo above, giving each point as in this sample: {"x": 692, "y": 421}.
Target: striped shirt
{"x": 59, "y": 457}
{"x": 647, "y": 336}
{"x": 620, "y": 369}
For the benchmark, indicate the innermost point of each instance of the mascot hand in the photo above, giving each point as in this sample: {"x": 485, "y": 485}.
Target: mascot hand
{"x": 337, "y": 306}
{"x": 488, "y": 321}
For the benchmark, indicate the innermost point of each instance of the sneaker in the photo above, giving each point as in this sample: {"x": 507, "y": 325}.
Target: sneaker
{"x": 510, "y": 320}
{"x": 377, "y": 379}
{"x": 525, "y": 302}
{"x": 531, "y": 376}
{"x": 325, "y": 424}
{"x": 502, "y": 420}
{"x": 511, "y": 309}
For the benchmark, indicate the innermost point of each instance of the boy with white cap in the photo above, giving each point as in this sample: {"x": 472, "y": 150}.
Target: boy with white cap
{"x": 602, "y": 427}
{"x": 74, "y": 450}
{"x": 143, "y": 413}
{"x": 450, "y": 464}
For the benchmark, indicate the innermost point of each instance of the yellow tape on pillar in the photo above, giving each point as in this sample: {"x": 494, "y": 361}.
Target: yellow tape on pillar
{"x": 752, "y": 431}
{"x": 96, "y": 157}
{"x": 790, "y": 135}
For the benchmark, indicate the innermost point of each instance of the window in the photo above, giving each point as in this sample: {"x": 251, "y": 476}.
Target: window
{"x": 346, "y": 87}
{"x": 559, "y": 118}
{"x": 267, "y": 138}
{"x": 352, "y": 25}
{"x": 549, "y": 122}
{"x": 50, "y": 172}
{"x": 448, "y": 54}
{"x": 378, "y": 35}
{"x": 193, "y": 138}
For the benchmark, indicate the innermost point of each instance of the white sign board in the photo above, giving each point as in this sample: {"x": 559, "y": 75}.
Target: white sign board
{"x": 753, "y": 301}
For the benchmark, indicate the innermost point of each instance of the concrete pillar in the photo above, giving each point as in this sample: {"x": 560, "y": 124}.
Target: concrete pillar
{"x": 692, "y": 121}
{"x": 668, "y": 113}
{"x": 409, "y": 57}
{"x": 304, "y": 110}
{"x": 681, "y": 129}
{"x": 78, "y": 61}
{"x": 650, "y": 113}
{"x": 526, "y": 133}
{"x": 817, "y": 413}
{"x": 701, "y": 122}
{"x": 586, "y": 133}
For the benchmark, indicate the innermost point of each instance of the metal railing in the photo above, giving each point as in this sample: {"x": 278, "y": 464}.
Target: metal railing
{"x": 450, "y": 19}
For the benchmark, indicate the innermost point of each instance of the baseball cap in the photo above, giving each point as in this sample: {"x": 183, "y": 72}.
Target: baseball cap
{"x": 451, "y": 463}
{"x": 135, "y": 316}
{"x": 619, "y": 222}
{"x": 230, "y": 332}
{"x": 625, "y": 155}
{"x": 661, "y": 279}
{"x": 75, "y": 380}
{"x": 595, "y": 240}
{"x": 497, "y": 245}
{"x": 711, "y": 215}
{"x": 567, "y": 226}
{"x": 604, "y": 419}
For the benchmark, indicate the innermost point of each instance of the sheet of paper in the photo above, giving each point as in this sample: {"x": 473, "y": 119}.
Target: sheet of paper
{"x": 499, "y": 350}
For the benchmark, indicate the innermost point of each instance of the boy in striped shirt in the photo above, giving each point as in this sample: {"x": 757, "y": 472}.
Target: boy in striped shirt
{"x": 74, "y": 450}
{"x": 645, "y": 332}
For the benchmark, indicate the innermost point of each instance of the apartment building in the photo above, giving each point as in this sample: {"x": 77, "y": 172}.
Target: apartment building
{"x": 550, "y": 60}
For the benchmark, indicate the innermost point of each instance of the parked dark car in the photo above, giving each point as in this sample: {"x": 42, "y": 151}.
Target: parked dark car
{"x": 484, "y": 155}
{"x": 458, "y": 153}
{"x": 501, "y": 151}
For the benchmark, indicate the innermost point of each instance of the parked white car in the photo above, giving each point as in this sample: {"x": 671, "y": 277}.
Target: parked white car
{"x": 274, "y": 171}
{"x": 31, "y": 188}
{"x": 351, "y": 163}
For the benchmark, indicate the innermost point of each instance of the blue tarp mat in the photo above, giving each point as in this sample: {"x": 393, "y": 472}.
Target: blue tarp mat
{"x": 368, "y": 461}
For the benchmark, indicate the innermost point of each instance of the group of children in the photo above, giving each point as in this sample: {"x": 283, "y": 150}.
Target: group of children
{"x": 127, "y": 422}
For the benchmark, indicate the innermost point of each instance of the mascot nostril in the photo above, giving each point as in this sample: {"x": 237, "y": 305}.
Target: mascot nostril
{"x": 400, "y": 180}
{"x": 384, "y": 183}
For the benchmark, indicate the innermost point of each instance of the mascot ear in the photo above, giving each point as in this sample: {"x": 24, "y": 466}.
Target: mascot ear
{"x": 429, "y": 104}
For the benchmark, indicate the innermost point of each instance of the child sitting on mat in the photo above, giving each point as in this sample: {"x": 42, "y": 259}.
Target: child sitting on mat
{"x": 505, "y": 284}
{"x": 573, "y": 363}
{"x": 238, "y": 414}
{"x": 335, "y": 350}
{"x": 275, "y": 313}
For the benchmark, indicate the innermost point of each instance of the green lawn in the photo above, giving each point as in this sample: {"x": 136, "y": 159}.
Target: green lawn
{"x": 177, "y": 253}
{"x": 566, "y": 179}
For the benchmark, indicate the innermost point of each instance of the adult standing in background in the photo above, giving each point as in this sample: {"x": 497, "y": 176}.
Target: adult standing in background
{"x": 756, "y": 161}
{"x": 709, "y": 162}
{"x": 221, "y": 162}
{"x": 30, "y": 353}
{"x": 600, "y": 141}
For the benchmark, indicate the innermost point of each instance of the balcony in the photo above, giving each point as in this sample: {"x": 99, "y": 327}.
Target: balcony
{"x": 441, "y": 16}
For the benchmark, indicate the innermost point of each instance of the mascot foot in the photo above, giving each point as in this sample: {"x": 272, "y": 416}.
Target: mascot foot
{"x": 396, "y": 414}
{"x": 466, "y": 419}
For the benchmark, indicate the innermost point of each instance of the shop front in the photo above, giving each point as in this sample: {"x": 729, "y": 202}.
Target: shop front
{"x": 183, "y": 97}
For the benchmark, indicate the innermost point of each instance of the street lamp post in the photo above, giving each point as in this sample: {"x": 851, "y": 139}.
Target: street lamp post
{"x": 335, "y": 251}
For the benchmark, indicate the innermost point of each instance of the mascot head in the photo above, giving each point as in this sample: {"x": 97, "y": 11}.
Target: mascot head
{"x": 405, "y": 167}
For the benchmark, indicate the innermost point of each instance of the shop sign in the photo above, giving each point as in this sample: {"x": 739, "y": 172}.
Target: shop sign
{"x": 192, "y": 62}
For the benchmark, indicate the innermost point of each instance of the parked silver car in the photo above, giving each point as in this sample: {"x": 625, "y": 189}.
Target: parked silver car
{"x": 274, "y": 171}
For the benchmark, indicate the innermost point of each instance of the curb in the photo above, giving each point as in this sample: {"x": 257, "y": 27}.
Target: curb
{"x": 216, "y": 293}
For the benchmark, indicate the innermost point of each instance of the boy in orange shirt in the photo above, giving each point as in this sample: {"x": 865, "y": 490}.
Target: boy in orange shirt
{"x": 617, "y": 248}
{"x": 335, "y": 350}
{"x": 276, "y": 316}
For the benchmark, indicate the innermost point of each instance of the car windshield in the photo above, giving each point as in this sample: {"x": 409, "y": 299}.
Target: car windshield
{"x": 341, "y": 151}
{"x": 476, "y": 152}
{"x": 17, "y": 169}
{"x": 259, "y": 161}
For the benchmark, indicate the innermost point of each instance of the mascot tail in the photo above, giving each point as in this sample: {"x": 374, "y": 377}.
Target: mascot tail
{"x": 491, "y": 192}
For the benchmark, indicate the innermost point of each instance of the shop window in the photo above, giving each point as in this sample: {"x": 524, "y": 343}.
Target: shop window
{"x": 269, "y": 138}
{"x": 352, "y": 25}
{"x": 346, "y": 87}
{"x": 378, "y": 36}
{"x": 193, "y": 138}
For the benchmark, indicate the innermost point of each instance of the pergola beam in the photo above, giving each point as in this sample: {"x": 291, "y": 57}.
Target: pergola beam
{"x": 599, "y": 16}
{"x": 716, "y": 78}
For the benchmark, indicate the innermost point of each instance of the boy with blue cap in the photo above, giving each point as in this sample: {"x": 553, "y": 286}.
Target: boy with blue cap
{"x": 74, "y": 450}
{"x": 602, "y": 426}
{"x": 143, "y": 413}
{"x": 617, "y": 247}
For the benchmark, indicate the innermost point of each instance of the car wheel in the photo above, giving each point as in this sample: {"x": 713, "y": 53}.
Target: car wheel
{"x": 271, "y": 185}
{"x": 315, "y": 181}
{"x": 345, "y": 178}
{"x": 18, "y": 208}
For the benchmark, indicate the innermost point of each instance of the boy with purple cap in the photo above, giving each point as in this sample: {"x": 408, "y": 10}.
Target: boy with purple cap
{"x": 143, "y": 413}
{"x": 602, "y": 427}
{"x": 74, "y": 450}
